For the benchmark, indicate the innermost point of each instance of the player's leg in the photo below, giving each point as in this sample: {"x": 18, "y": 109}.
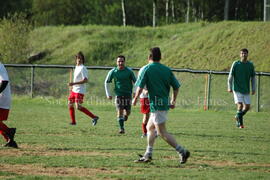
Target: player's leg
{"x": 120, "y": 118}
{"x": 145, "y": 110}
{"x": 126, "y": 103}
{"x": 71, "y": 101}
{"x": 78, "y": 102}
{"x": 160, "y": 124}
{"x": 238, "y": 99}
{"x": 147, "y": 157}
{"x": 144, "y": 124}
{"x": 6, "y": 132}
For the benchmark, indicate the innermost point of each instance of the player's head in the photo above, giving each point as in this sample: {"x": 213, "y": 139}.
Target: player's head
{"x": 79, "y": 58}
{"x": 155, "y": 54}
{"x": 120, "y": 61}
{"x": 244, "y": 53}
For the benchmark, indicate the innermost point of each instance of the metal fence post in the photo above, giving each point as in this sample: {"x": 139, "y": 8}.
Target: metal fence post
{"x": 209, "y": 89}
{"x": 258, "y": 91}
{"x": 32, "y": 81}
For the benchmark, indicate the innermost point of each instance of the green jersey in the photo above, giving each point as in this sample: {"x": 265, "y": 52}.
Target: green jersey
{"x": 123, "y": 81}
{"x": 158, "y": 79}
{"x": 241, "y": 74}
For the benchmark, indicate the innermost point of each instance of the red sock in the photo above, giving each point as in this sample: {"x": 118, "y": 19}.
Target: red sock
{"x": 144, "y": 128}
{"x": 3, "y": 130}
{"x": 88, "y": 113}
{"x": 4, "y": 135}
{"x": 72, "y": 115}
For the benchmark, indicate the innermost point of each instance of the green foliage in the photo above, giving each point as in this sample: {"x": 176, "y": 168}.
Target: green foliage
{"x": 14, "y": 39}
{"x": 200, "y": 45}
{"x": 52, "y": 149}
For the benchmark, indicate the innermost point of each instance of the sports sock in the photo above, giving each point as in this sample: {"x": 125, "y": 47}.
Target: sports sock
{"x": 144, "y": 128}
{"x": 121, "y": 122}
{"x": 239, "y": 114}
{"x": 72, "y": 115}
{"x": 149, "y": 151}
{"x": 87, "y": 112}
{"x": 4, "y": 135}
{"x": 180, "y": 149}
{"x": 3, "y": 127}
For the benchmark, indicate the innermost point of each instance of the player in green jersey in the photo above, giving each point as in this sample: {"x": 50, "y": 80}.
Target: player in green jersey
{"x": 158, "y": 79}
{"x": 242, "y": 73}
{"x": 123, "y": 78}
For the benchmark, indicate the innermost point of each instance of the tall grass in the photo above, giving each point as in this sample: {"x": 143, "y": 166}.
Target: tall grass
{"x": 196, "y": 45}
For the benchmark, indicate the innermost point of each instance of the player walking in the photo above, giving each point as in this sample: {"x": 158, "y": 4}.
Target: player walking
{"x": 5, "y": 100}
{"x": 76, "y": 96}
{"x": 123, "y": 78}
{"x": 158, "y": 78}
{"x": 241, "y": 74}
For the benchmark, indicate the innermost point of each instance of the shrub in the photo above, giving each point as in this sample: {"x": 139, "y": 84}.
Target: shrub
{"x": 14, "y": 39}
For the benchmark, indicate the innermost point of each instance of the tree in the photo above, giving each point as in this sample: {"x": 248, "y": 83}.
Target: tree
{"x": 226, "y": 10}
{"x": 154, "y": 12}
{"x": 124, "y": 12}
{"x": 167, "y": 11}
{"x": 188, "y": 11}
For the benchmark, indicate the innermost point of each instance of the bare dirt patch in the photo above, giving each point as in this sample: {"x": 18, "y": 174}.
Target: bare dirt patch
{"x": 27, "y": 169}
{"x": 25, "y": 150}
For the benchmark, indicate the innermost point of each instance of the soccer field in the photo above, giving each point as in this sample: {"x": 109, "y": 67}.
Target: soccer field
{"x": 52, "y": 149}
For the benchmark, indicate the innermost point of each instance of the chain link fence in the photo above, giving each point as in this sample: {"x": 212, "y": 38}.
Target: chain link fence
{"x": 199, "y": 89}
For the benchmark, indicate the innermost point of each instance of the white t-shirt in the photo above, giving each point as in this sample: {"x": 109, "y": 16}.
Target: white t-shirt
{"x": 5, "y": 96}
{"x": 80, "y": 73}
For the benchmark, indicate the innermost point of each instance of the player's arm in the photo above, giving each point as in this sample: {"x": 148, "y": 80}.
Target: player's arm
{"x": 3, "y": 86}
{"x": 174, "y": 97}
{"x": 137, "y": 95}
{"x": 230, "y": 78}
{"x": 253, "y": 84}
{"x": 85, "y": 80}
{"x": 107, "y": 85}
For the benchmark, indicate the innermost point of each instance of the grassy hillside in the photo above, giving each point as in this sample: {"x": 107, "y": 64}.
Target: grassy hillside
{"x": 196, "y": 45}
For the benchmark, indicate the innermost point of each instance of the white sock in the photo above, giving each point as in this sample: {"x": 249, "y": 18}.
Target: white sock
{"x": 149, "y": 150}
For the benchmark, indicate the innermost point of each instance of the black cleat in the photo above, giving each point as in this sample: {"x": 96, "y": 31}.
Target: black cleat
{"x": 95, "y": 120}
{"x": 121, "y": 131}
{"x": 11, "y": 133}
{"x": 184, "y": 156}
{"x": 12, "y": 144}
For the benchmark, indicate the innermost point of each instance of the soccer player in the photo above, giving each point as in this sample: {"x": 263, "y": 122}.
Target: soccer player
{"x": 145, "y": 110}
{"x": 158, "y": 79}
{"x": 5, "y": 100}
{"x": 76, "y": 96}
{"x": 241, "y": 74}
{"x": 123, "y": 78}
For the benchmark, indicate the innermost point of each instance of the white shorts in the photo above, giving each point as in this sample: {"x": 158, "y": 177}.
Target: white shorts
{"x": 241, "y": 98}
{"x": 158, "y": 117}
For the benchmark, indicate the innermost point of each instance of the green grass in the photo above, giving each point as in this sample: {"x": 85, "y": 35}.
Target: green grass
{"x": 199, "y": 45}
{"x": 50, "y": 148}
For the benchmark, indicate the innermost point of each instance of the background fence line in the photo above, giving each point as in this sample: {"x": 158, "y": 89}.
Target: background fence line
{"x": 208, "y": 81}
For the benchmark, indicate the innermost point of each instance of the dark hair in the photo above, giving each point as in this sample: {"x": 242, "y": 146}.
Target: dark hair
{"x": 244, "y": 50}
{"x": 155, "y": 54}
{"x": 80, "y": 56}
{"x": 121, "y": 56}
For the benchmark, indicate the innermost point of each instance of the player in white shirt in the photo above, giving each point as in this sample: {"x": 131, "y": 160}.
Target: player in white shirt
{"x": 80, "y": 77}
{"x": 5, "y": 99}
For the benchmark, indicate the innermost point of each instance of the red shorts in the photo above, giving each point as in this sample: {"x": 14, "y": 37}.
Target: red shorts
{"x": 75, "y": 97}
{"x": 4, "y": 114}
{"x": 145, "y": 105}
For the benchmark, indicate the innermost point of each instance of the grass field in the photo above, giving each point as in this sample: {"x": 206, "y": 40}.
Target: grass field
{"x": 52, "y": 149}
